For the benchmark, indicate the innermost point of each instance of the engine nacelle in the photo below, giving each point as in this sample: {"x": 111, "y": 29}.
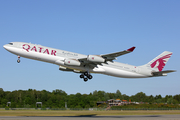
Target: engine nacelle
{"x": 72, "y": 62}
{"x": 95, "y": 58}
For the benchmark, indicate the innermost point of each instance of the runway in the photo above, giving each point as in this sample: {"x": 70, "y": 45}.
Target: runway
{"x": 93, "y": 117}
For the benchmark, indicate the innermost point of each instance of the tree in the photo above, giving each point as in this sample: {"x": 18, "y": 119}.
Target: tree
{"x": 125, "y": 97}
{"x": 101, "y": 95}
{"x": 150, "y": 99}
{"x": 140, "y": 97}
{"x": 57, "y": 98}
{"x": 111, "y": 95}
{"x": 118, "y": 95}
{"x": 170, "y": 100}
{"x": 106, "y": 96}
{"x": 177, "y": 98}
{"x": 158, "y": 97}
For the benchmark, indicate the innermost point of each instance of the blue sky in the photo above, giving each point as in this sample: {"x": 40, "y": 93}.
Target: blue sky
{"x": 90, "y": 27}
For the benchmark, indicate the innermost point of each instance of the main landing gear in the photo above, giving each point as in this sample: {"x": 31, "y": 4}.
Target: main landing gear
{"x": 86, "y": 76}
{"x": 18, "y": 59}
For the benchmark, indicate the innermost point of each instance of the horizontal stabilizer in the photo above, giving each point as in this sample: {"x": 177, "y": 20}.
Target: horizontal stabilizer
{"x": 162, "y": 73}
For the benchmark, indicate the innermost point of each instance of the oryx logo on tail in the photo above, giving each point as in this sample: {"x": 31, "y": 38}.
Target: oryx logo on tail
{"x": 161, "y": 62}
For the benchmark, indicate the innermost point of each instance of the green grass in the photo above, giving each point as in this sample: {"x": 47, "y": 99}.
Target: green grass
{"x": 83, "y": 113}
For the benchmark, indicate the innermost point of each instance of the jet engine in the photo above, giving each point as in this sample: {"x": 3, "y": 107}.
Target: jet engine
{"x": 72, "y": 62}
{"x": 95, "y": 58}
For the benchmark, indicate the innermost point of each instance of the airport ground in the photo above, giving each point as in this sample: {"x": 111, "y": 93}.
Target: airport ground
{"x": 85, "y": 112}
{"x": 88, "y": 115}
{"x": 137, "y": 117}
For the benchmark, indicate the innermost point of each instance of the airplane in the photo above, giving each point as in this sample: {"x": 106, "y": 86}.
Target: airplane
{"x": 87, "y": 64}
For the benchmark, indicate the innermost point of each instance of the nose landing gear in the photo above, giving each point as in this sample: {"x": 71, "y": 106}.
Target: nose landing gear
{"x": 86, "y": 76}
{"x": 18, "y": 61}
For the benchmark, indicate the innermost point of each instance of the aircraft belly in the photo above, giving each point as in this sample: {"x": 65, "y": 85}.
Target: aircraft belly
{"x": 121, "y": 73}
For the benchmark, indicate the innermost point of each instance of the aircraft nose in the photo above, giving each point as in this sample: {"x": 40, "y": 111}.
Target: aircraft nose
{"x": 5, "y": 46}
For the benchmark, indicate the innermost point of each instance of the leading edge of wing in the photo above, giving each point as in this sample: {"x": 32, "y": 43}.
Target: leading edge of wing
{"x": 112, "y": 56}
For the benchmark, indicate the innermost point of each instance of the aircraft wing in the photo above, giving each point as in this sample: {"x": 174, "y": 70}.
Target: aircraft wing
{"x": 113, "y": 56}
{"x": 104, "y": 57}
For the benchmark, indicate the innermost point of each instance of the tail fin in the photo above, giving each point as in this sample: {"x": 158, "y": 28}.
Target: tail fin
{"x": 158, "y": 63}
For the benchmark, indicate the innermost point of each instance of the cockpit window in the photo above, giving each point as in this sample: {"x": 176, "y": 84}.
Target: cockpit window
{"x": 11, "y": 43}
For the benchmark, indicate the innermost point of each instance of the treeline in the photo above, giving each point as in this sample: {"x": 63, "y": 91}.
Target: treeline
{"x": 57, "y": 98}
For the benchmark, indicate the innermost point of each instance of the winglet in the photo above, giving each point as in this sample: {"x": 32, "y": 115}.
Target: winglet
{"x": 131, "y": 49}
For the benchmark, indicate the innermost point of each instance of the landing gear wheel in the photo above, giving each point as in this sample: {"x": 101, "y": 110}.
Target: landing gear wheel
{"x": 81, "y": 76}
{"x": 85, "y": 79}
{"x": 90, "y": 76}
{"x": 18, "y": 61}
{"x": 86, "y": 73}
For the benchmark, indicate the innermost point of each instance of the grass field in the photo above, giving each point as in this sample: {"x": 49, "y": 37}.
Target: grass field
{"x": 84, "y": 113}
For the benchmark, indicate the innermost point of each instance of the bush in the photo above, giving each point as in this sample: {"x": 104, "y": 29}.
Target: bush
{"x": 6, "y": 108}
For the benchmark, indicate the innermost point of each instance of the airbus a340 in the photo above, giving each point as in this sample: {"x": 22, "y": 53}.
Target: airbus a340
{"x": 86, "y": 64}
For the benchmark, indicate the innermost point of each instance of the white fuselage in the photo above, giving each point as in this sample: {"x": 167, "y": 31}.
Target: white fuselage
{"x": 56, "y": 56}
